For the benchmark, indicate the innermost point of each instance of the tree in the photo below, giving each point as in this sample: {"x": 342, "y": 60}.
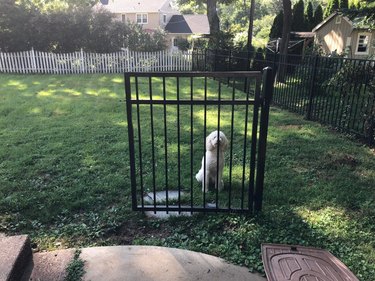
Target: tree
{"x": 318, "y": 15}
{"x": 298, "y": 20}
{"x": 258, "y": 63}
{"x": 332, "y": 6}
{"x": 344, "y": 4}
{"x": 277, "y": 26}
{"x": 309, "y": 16}
{"x": 287, "y": 24}
{"x": 251, "y": 26}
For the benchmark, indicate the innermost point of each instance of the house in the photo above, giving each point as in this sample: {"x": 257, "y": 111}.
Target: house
{"x": 348, "y": 33}
{"x": 158, "y": 14}
{"x": 182, "y": 27}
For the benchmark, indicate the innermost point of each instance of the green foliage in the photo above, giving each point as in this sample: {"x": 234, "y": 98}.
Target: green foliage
{"x": 298, "y": 20}
{"x": 258, "y": 62}
{"x": 309, "y": 16}
{"x": 183, "y": 44}
{"x": 344, "y": 4}
{"x": 331, "y": 7}
{"x": 75, "y": 270}
{"x": 277, "y": 26}
{"x": 69, "y": 30}
{"x": 318, "y": 15}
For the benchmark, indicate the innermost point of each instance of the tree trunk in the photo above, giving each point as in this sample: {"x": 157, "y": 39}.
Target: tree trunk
{"x": 250, "y": 32}
{"x": 287, "y": 6}
{"x": 213, "y": 19}
{"x": 251, "y": 26}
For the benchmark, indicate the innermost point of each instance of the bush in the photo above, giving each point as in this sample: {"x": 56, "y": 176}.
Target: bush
{"x": 71, "y": 29}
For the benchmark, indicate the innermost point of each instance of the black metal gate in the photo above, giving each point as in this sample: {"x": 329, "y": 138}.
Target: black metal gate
{"x": 170, "y": 115}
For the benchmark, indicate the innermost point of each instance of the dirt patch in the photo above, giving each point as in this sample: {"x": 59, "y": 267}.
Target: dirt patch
{"x": 340, "y": 160}
{"x": 290, "y": 127}
{"x": 137, "y": 230}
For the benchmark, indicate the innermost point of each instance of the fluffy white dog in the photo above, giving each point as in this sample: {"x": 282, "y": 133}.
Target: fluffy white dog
{"x": 214, "y": 142}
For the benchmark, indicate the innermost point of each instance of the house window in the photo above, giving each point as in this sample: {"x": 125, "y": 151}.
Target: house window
{"x": 123, "y": 18}
{"x": 142, "y": 18}
{"x": 362, "y": 43}
{"x": 175, "y": 42}
{"x": 164, "y": 18}
{"x": 338, "y": 19}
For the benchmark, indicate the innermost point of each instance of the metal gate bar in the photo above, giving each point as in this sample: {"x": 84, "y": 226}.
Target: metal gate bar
{"x": 252, "y": 184}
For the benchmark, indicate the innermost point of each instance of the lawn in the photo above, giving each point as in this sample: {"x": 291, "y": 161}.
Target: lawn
{"x": 64, "y": 180}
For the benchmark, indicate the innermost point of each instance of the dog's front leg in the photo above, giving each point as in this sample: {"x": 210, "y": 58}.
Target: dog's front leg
{"x": 206, "y": 182}
{"x": 220, "y": 183}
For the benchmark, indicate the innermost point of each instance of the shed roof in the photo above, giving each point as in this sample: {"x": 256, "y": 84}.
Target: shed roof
{"x": 359, "y": 19}
{"x": 188, "y": 24}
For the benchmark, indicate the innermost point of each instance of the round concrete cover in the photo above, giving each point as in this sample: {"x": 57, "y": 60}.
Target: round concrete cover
{"x": 157, "y": 263}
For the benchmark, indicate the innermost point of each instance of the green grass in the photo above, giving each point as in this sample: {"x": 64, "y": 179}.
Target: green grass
{"x": 64, "y": 178}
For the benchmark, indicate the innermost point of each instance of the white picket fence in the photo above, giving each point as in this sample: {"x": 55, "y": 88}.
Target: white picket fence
{"x": 81, "y": 62}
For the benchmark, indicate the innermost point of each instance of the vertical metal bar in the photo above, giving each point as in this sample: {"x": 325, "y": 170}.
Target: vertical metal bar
{"x": 312, "y": 88}
{"x": 139, "y": 142}
{"x": 218, "y": 148}
{"x": 178, "y": 144}
{"x": 165, "y": 145}
{"x": 152, "y": 142}
{"x": 204, "y": 184}
{"x": 266, "y": 100}
{"x": 131, "y": 141}
{"x": 254, "y": 135}
{"x": 191, "y": 144}
{"x": 244, "y": 152}
{"x": 231, "y": 146}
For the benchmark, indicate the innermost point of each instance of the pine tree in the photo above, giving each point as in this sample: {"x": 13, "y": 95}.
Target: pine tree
{"x": 277, "y": 26}
{"x": 344, "y": 4}
{"x": 298, "y": 18}
{"x": 332, "y": 6}
{"x": 309, "y": 16}
{"x": 318, "y": 15}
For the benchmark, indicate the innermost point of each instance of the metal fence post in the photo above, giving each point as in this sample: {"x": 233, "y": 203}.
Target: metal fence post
{"x": 131, "y": 141}
{"x": 266, "y": 98}
{"x": 312, "y": 88}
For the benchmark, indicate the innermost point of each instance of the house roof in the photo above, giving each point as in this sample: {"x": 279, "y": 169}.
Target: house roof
{"x": 359, "y": 19}
{"x": 131, "y": 6}
{"x": 188, "y": 24}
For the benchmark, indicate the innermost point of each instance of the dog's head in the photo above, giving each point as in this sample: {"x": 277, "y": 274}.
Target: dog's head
{"x": 216, "y": 139}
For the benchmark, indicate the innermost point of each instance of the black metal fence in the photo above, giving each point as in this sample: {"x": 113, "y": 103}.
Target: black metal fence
{"x": 335, "y": 91}
{"x": 169, "y": 117}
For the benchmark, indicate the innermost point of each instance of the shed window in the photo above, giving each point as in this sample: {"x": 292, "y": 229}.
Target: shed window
{"x": 338, "y": 19}
{"x": 362, "y": 43}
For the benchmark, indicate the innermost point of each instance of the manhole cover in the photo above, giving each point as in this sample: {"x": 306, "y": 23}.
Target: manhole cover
{"x": 295, "y": 263}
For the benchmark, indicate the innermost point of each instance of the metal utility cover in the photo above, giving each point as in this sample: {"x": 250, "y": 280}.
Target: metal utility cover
{"x": 295, "y": 263}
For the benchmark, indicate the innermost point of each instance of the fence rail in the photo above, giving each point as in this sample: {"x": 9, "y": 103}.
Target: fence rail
{"x": 81, "y": 62}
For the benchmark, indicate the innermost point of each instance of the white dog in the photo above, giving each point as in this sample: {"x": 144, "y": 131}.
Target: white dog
{"x": 215, "y": 140}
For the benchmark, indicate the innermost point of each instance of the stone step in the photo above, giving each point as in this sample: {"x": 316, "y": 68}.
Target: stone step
{"x": 15, "y": 256}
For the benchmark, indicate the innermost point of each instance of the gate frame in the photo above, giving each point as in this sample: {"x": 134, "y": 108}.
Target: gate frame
{"x": 264, "y": 101}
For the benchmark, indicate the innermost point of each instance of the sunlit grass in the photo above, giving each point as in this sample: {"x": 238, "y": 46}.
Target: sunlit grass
{"x": 64, "y": 176}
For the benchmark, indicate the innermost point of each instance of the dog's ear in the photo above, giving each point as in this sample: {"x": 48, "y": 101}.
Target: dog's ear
{"x": 209, "y": 144}
{"x": 224, "y": 142}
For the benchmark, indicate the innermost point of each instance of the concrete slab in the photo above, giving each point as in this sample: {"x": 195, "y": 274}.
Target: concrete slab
{"x": 161, "y": 196}
{"x": 15, "y": 255}
{"x": 148, "y": 263}
{"x": 49, "y": 266}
